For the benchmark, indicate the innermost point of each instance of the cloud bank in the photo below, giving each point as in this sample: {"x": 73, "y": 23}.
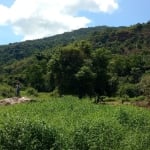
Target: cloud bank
{"x": 40, "y": 18}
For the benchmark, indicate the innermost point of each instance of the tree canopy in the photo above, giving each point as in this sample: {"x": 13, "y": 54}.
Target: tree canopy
{"x": 86, "y": 62}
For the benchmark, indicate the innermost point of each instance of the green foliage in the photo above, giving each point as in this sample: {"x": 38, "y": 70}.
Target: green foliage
{"x": 85, "y": 46}
{"x": 31, "y": 91}
{"x": 6, "y": 91}
{"x": 70, "y": 123}
{"x": 139, "y": 98}
{"x": 136, "y": 140}
{"x": 85, "y": 78}
{"x": 128, "y": 89}
{"x": 100, "y": 59}
{"x": 133, "y": 121}
{"x": 63, "y": 69}
{"x": 85, "y": 62}
{"x": 120, "y": 65}
{"x": 18, "y": 51}
{"x": 145, "y": 85}
{"x": 35, "y": 75}
{"x": 17, "y": 134}
{"x": 100, "y": 136}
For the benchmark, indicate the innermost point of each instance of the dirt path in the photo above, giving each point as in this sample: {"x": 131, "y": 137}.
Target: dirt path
{"x": 17, "y": 100}
{"x": 14, "y": 100}
{"x": 144, "y": 104}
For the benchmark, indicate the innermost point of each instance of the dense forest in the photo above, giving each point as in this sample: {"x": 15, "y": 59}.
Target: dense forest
{"x": 96, "y": 61}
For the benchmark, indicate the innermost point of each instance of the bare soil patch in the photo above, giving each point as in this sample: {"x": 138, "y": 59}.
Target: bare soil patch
{"x": 145, "y": 104}
{"x": 14, "y": 100}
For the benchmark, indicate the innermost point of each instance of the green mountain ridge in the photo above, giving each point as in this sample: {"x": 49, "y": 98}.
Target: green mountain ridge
{"x": 20, "y": 50}
{"x": 17, "y": 51}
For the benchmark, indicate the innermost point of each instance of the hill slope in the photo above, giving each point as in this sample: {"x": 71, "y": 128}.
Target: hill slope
{"x": 134, "y": 37}
{"x": 99, "y": 60}
{"x": 18, "y": 51}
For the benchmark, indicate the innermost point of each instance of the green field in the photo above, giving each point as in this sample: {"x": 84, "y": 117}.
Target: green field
{"x": 71, "y": 123}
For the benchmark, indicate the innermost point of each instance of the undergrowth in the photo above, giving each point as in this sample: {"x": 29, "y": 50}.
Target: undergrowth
{"x": 71, "y": 123}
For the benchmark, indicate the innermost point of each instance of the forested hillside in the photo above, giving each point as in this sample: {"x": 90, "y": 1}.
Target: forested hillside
{"x": 17, "y": 51}
{"x": 109, "y": 61}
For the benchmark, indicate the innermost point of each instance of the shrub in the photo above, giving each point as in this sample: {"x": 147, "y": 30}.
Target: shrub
{"x": 55, "y": 93}
{"x": 139, "y": 98}
{"x": 27, "y": 135}
{"x": 32, "y": 91}
{"x": 102, "y": 136}
{"x": 136, "y": 141}
{"x": 6, "y": 91}
{"x": 128, "y": 89}
{"x": 133, "y": 121}
{"x": 144, "y": 85}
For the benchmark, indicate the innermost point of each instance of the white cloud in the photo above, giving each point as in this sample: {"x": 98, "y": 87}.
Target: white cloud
{"x": 39, "y": 18}
{"x": 3, "y": 14}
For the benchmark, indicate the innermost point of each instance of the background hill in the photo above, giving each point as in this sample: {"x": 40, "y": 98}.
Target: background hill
{"x": 18, "y": 51}
{"x": 102, "y": 60}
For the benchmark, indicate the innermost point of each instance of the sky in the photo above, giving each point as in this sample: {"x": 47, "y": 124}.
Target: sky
{"x": 22, "y": 20}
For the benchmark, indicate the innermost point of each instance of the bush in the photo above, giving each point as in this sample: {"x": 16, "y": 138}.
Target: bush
{"x": 144, "y": 85}
{"x": 32, "y": 91}
{"x": 6, "y": 91}
{"x": 133, "y": 121}
{"x": 101, "y": 136}
{"x": 55, "y": 93}
{"x": 128, "y": 89}
{"x": 27, "y": 135}
{"x": 136, "y": 141}
{"x": 139, "y": 98}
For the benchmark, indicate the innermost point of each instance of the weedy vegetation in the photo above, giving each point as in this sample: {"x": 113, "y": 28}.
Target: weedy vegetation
{"x": 72, "y": 123}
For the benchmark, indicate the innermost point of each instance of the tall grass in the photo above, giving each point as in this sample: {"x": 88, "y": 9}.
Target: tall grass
{"x": 71, "y": 123}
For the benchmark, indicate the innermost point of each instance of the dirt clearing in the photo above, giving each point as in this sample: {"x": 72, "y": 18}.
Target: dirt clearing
{"x": 14, "y": 100}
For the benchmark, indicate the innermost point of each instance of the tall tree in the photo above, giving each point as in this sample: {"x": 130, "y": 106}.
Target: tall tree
{"x": 100, "y": 59}
{"x": 63, "y": 68}
{"x": 85, "y": 78}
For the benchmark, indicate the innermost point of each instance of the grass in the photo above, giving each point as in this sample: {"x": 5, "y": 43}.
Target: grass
{"x": 75, "y": 124}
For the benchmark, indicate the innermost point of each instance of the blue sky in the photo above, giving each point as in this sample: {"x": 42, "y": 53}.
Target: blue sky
{"x": 130, "y": 12}
{"x": 31, "y": 19}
